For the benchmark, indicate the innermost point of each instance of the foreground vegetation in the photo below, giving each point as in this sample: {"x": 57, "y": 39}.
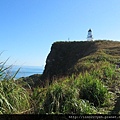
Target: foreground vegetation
{"x": 92, "y": 88}
{"x": 13, "y": 97}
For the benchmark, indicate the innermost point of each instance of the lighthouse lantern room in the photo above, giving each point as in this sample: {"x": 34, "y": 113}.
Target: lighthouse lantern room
{"x": 89, "y": 36}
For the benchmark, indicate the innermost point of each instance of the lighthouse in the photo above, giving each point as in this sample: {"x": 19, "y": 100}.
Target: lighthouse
{"x": 89, "y": 36}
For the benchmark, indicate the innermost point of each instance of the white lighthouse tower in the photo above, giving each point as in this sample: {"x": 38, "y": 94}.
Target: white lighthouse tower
{"x": 89, "y": 36}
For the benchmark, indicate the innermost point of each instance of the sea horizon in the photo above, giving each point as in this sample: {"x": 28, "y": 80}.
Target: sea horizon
{"x": 25, "y": 71}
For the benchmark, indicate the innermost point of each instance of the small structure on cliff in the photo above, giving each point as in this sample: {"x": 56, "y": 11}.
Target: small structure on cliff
{"x": 89, "y": 36}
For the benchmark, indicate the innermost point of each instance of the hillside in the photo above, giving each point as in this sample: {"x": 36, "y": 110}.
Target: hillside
{"x": 66, "y": 58}
{"x": 79, "y": 78}
{"x": 84, "y": 77}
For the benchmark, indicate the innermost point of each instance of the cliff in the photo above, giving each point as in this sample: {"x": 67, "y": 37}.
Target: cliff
{"x": 79, "y": 77}
{"x": 67, "y": 58}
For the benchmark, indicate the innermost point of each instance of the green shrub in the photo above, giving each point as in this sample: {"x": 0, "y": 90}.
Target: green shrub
{"x": 93, "y": 90}
{"x": 38, "y": 96}
{"x": 62, "y": 98}
{"x": 79, "y": 107}
{"x": 73, "y": 95}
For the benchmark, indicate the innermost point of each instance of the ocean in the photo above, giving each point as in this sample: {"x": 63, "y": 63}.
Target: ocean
{"x": 26, "y": 71}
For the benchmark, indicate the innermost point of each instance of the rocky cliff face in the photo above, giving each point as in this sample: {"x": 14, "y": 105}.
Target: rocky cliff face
{"x": 64, "y": 55}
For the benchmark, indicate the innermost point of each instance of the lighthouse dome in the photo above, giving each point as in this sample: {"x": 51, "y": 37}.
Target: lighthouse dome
{"x": 89, "y": 30}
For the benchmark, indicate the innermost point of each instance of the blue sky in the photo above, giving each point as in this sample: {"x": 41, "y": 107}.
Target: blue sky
{"x": 29, "y": 27}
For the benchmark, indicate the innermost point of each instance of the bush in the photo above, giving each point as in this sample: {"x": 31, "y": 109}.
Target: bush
{"x": 93, "y": 90}
{"x": 62, "y": 98}
{"x": 72, "y": 95}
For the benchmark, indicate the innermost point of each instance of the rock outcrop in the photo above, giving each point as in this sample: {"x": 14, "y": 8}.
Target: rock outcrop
{"x": 64, "y": 55}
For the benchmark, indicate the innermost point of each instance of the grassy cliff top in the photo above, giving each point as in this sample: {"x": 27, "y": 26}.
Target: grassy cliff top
{"x": 66, "y": 58}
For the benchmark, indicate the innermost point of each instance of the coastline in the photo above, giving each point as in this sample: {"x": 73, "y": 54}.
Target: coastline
{"x": 25, "y": 71}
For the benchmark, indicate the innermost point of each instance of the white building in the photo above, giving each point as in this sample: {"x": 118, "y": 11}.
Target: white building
{"x": 89, "y": 36}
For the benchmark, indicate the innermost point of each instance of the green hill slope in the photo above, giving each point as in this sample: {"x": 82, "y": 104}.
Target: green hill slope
{"x": 66, "y": 58}
{"x": 84, "y": 77}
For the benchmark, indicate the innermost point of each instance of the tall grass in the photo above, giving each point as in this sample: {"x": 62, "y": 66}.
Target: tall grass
{"x": 93, "y": 90}
{"x": 65, "y": 99}
{"x": 13, "y": 97}
{"x": 38, "y": 95}
{"x": 82, "y": 94}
